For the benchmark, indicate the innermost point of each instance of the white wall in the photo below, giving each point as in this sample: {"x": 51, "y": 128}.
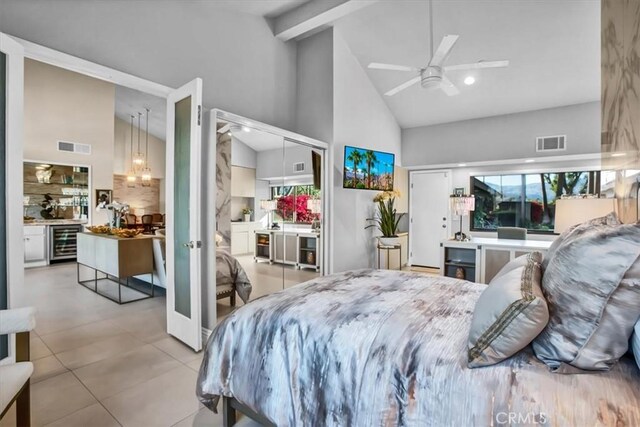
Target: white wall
{"x": 278, "y": 163}
{"x": 510, "y": 136}
{"x": 60, "y": 105}
{"x": 122, "y": 150}
{"x": 246, "y": 70}
{"x": 360, "y": 118}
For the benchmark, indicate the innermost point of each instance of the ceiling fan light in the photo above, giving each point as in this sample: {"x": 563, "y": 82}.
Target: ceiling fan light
{"x": 469, "y": 80}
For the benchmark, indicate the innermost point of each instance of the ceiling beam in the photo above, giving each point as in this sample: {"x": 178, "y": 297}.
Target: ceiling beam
{"x": 311, "y": 16}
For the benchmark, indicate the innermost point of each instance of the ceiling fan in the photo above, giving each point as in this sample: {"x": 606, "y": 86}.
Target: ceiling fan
{"x": 433, "y": 75}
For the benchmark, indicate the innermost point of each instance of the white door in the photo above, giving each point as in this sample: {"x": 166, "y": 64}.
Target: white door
{"x": 429, "y": 216}
{"x": 11, "y": 228}
{"x": 184, "y": 239}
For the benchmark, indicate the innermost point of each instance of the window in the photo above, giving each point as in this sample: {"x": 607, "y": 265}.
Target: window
{"x": 292, "y": 202}
{"x": 527, "y": 200}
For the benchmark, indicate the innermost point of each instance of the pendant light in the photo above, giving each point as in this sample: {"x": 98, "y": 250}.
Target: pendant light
{"x": 146, "y": 172}
{"x": 131, "y": 176}
{"x": 138, "y": 159}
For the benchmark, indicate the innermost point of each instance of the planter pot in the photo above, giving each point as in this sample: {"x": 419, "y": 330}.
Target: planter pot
{"x": 389, "y": 241}
{"x": 247, "y": 217}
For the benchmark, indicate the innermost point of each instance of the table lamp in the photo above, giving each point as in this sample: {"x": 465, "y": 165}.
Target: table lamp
{"x": 315, "y": 206}
{"x": 270, "y": 206}
{"x": 573, "y": 211}
{"x": 462, "y": 205}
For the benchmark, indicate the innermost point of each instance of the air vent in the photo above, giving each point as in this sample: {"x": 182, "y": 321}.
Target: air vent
{"x": 551, "y": 143}
{"x": 74, "y": 147}
{"x": 298, "y": 167}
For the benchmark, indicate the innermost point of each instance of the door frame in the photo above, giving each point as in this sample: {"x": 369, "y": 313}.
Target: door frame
{"x": 412, "y": 173}
{"x": 13, "y": 175}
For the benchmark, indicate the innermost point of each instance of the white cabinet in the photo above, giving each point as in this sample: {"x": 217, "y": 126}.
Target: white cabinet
{"x": 243, "y": 237}
{"x": 243, "y": 182}
{"x": 35, "y": 245}
{"x": 480, "y": 259}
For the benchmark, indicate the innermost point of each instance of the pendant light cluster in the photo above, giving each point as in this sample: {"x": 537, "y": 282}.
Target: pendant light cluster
{"x": 139, "y": 161}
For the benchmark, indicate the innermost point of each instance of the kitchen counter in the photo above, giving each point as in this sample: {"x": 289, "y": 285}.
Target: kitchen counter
{"x": 40, "y": 222}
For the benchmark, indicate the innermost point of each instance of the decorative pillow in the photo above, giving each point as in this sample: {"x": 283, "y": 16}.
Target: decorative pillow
{"x": 509, "y": 314}
{"x": 610, "y": 219}
{"x": 593, "y": 296}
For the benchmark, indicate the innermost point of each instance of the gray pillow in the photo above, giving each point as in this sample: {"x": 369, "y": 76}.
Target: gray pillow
{"x": 610, "y": 219}
{"x": 509, "y": 314}
{"x": 593, "y": 296}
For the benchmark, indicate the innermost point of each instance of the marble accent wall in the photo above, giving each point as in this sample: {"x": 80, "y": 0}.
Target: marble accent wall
{"x": 223, "y": 181}
{"x": 621, "y": 99}
{"x": 138, "y": 198}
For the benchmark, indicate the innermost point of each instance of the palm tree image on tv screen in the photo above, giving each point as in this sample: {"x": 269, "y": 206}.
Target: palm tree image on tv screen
{"x": 368, "y": 169}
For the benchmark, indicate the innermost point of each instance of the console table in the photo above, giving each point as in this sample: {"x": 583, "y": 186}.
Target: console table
{"x": 482, "y": 258}
{"x": 118, "y": 259}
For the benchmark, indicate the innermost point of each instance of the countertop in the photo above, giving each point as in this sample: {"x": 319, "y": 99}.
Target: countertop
{"x": 519, "y": 244}
{"x": 56, "y": 222}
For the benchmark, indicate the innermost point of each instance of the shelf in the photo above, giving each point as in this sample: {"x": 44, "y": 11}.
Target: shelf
{"x": 309, "y": 249}
{"x": 264, "y": 245}
{"x": 460, "y": 264}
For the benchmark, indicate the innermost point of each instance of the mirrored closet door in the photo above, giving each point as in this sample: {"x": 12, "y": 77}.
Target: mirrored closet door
{"x": 270, "y": 227}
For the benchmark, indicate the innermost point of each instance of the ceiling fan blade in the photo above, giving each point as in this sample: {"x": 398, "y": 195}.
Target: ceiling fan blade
{"x": 478, "y": 65}
{"x": 443, "y": 50}
{"x": 448, "y": 87}
{"x": 403, "y": 86}
{"x": 380, "y": 66}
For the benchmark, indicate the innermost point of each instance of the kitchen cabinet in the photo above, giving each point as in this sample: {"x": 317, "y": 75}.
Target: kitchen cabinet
{"x": 35, "y": 245}
{"x": 243, "y": 237}
{"x": 243, "y": 182}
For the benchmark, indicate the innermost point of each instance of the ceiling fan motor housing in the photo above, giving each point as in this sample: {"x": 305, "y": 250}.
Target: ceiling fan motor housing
{"x": 431, "y": 77}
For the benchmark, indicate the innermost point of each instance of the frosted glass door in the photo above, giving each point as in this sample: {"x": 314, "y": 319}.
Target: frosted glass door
{"x": 184, "y": 109}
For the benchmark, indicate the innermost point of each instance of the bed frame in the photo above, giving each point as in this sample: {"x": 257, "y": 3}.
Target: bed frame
{"x": 230, "y": 407}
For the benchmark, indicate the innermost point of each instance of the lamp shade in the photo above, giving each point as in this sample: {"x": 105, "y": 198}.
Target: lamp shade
{"x": 314, "y": 205}
{"x": 462, "y": 205}
{"x": 268, "y": 205}
{"x": 570, "y": 212}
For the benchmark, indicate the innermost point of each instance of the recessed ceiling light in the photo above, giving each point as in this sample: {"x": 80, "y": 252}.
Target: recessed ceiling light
{"x": 461, "y": 165}
{"x": 529, "y": 161}
{"x": 246, "y": 129}
{"x": 229, "y": 133}
{"x": 469, "y": 80}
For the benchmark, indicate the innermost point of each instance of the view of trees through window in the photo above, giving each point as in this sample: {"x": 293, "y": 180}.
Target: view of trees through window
{"x": 527, "y": 200}
{"x": 292, "y": 202}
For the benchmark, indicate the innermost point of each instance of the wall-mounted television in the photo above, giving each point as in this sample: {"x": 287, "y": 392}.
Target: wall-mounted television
{"x": 368, "y": 169}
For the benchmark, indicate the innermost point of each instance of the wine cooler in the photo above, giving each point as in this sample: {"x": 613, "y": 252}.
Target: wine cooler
{"x": 63, "y": 242}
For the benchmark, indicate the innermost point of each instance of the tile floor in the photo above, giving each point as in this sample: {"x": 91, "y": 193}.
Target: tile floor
{"x": 98, "y": 363}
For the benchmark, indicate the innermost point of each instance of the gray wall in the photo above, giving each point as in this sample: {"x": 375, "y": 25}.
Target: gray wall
{"x": 510, "y": 136}
{"x": 361, "y": 118}
{"x": 246, "y": 70}
{"x": 314, "y": 99}
{"x": 242, "y": 155}
{"x": 278, "y": 163}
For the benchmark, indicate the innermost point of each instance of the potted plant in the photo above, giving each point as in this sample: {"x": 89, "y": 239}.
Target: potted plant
{"x": 386, "y": 220}
{"x": 247, "y": 214}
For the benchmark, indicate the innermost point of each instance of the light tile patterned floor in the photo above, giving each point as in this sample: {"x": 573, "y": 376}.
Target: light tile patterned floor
{"x": 98, "y": 363}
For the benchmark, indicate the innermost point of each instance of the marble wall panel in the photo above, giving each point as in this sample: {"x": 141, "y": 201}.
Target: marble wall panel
{"x": 223, "y": 182}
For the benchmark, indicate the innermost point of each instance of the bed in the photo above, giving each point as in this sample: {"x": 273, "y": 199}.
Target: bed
{"x": 372, "y": 347}
{"x": 231, "y": 278}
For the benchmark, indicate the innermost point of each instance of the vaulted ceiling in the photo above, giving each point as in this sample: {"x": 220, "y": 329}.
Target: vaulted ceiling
{"x": 553, "y": 47}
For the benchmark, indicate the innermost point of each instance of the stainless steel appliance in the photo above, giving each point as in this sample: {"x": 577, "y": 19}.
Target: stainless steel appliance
{"x": 63, "y": 241}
